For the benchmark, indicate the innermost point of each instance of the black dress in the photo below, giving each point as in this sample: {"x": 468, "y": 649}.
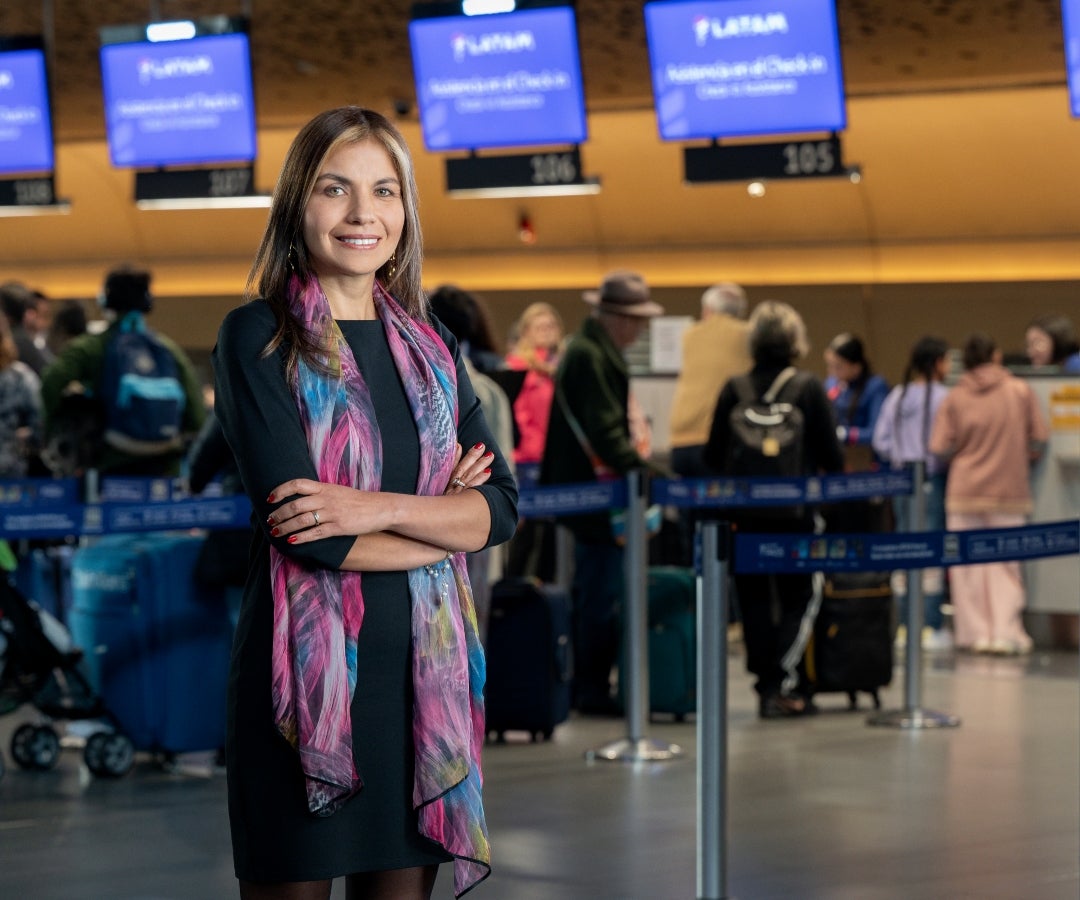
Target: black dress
{"x": 275, "y": 838}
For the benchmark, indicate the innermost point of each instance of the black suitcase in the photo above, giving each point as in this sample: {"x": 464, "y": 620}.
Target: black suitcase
{"x": 851, "y": 649}
{"x": 528, "y": 658}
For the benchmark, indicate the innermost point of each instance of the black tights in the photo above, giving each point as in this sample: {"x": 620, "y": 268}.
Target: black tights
{"x": 393, "y": 884}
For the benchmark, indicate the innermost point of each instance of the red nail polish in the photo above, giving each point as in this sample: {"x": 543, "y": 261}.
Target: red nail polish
{"x": 275, "y": 531}
{"x": 477, "y": 446}
{"x": 270, "y": 499}
{"x": 291, "y": 538}
{"x": 487, "y": 471}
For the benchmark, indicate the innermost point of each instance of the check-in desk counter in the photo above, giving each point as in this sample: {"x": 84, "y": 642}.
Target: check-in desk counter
{"x": 1053, "y": 584}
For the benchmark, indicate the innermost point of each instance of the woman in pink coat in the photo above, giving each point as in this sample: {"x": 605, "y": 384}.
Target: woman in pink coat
{"x": 991, "y": 430}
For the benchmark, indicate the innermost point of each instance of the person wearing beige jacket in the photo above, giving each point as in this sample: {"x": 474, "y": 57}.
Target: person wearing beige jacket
{"x": 992, "y": 431}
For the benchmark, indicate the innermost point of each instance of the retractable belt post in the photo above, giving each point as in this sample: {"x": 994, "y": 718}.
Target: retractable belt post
{"x": 712, "y": 618}
{"x": 913, "y": 715}
{"x": 636, "y": 747}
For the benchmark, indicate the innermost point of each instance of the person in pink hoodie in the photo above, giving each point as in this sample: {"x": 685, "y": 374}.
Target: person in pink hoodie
{"x": 991, "y": 430}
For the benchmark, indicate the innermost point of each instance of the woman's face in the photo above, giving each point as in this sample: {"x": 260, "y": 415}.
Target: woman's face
{"x": 1039, "y": 347}
{"x": 543, "y": 331}
{"x": 355, "y": 215}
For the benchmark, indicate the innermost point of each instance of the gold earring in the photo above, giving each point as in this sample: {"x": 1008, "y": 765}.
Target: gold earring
{"x": 292, "y": 260}
{"x": 392, "y": 269}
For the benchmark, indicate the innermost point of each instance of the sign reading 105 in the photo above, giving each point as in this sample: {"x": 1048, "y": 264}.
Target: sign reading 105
{"x": 810, "y": 158}
{"x": 554, "y": 168}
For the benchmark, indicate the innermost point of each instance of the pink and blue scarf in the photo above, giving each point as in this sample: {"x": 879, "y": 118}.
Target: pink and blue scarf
{"x": 318, "y": 612}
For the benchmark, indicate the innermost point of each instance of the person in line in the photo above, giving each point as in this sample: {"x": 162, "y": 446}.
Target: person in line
{"x": 1050, "y": 340}
{"x": 355, "y": 711}
{"x": 776, "y": 609}
{"x": 18, "y": 304}
{"x": 539, "y": 332}
{"x": 714, "y": 349}
{"x": 20, "y": 410}
{"x": 68, "y": 322}
{"x": 901, "y": 437}
{"x": 589, "y": 439}
{"x": 856, "y": 394}
{"x": 459, "y": 311}
{"x": 537, "y": 343}
{"x": 991, "y": 430}
{"x": 73, "y": 386}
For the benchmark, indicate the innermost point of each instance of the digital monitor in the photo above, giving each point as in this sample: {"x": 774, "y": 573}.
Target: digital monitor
{"x": 26, "y": 138}
{"x": 729, "y": 68}
{"x": 1070, "y": 21}
{"x": 178, "y": 93}
{"x": 497, "y": 80}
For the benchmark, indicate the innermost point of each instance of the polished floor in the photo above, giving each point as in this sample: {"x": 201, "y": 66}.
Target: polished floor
{"x": 821, "y": 808}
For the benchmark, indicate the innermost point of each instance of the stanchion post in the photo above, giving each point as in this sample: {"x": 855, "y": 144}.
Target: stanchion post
{"x": 712, "y": 618}
{"x": 913, "y": 715}
{"x": 634, "y": 668}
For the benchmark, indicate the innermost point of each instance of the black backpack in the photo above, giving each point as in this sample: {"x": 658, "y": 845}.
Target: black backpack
{"x": 766, "y": 433}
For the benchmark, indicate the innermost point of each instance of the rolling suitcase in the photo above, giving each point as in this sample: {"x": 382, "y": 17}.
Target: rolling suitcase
{"x": 672, "y": 637}
{"x": 156, "y": 644}
{"x": 528, "y": 658}
{"x": 851, "y": 649}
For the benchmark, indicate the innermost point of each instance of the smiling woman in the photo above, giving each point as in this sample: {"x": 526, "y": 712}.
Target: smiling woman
{"x": 353, "y": 749}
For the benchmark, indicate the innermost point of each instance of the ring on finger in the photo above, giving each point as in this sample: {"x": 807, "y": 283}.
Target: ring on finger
{"x": 457, "y": 482}
{"x": 315, "y": 516}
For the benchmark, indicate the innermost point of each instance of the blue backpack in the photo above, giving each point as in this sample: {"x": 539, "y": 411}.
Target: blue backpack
{"x": 141, "y": 392}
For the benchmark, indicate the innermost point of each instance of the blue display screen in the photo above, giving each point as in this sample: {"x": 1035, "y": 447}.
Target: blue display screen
{"x": 727, "y": 68}
{"x": 173, "y": 103}
{"x": 501, "y": 80}
{"x": 1070, "y": 20}
{"x": 26, "y": 140}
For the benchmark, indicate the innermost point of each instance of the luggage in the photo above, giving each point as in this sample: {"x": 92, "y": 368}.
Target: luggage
{"x": 156, "y": 645}
{"x": 528, "y": 658}
{"x": 672, "y": 636}
{"x": 850, "y": 649}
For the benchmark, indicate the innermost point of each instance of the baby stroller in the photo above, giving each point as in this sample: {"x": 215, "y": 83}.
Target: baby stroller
{"x": 40, "y": 666}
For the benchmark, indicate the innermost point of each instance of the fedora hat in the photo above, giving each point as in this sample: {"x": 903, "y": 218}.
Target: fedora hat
{"x": 624, "y": 293}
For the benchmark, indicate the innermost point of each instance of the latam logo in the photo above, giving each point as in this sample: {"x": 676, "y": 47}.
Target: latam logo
{"x": 757, "y": 25}
{"x": 174, "y": 67}
{"x": 491, "y": 44}
{"x": 7, "y": 80}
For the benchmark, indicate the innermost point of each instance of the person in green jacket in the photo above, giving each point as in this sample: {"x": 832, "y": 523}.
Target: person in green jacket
{"x": 71, "y": 392}
{"x": 589, "y": 438}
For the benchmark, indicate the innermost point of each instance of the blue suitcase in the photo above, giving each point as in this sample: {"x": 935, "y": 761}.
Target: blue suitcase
{"x": 156, "y": 644}
{"x": 528, "y": 658}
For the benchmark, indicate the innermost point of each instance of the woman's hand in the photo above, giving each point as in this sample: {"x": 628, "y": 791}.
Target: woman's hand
{"x": 320, "y": 510}
{"x": 470, "y": 470}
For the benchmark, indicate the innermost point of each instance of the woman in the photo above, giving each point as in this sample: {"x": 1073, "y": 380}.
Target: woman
{"x": 355, "y": 706}
{"x": 536, "y": 352}
{"x": 902, "y": 436}
{"x": 20, "y": 409}
{"x": 776, "y": 623}
{"x": 991, "y": 430}
{"x": 1050, "y": 340}
{"x": 856, "y": 394}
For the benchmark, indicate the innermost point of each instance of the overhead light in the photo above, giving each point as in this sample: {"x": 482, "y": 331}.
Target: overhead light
{"x": 756, "y": 189}
{"x": 590, "y": 186}
{"x": 170, "y": 31}
{"x": 486, "y": 7}
{"x": 246, "y": 201}
{"x": 45, "y": 209}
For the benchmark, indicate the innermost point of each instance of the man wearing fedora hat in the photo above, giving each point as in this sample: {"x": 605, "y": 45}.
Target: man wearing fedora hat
{"x": 589, "y": 439}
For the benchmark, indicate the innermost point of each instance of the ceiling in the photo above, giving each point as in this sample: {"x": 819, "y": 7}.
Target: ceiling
{"x": 318, "y": 53}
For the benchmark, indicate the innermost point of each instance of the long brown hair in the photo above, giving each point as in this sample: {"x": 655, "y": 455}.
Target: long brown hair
{"x": 282, "y": 250}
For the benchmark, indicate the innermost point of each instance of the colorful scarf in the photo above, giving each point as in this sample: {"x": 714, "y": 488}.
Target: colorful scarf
{"x": 318, "y": 612}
